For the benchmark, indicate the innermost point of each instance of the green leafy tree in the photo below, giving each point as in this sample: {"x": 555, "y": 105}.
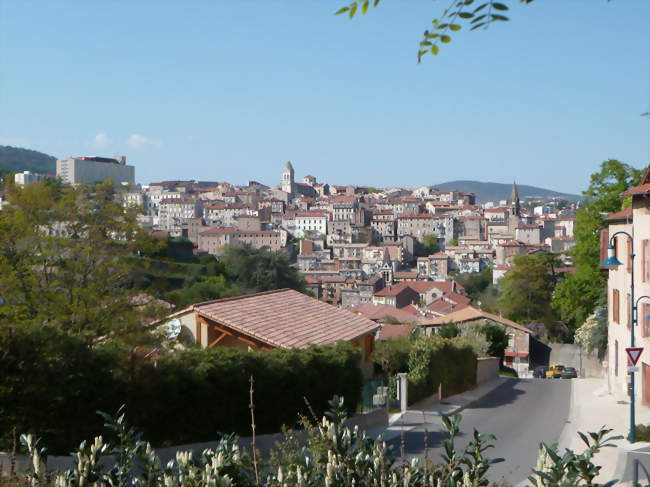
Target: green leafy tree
{"x": 449, "y": 330}
{"x": 63, "y": 261}
{"x": 528, "y": 287}
{"x": 497, "y": 338}
{"x": 260, "y": 269}
{"x": 475, "y": 283}
{"x": 576, "y": 297}
{"x": 428, "y": 246}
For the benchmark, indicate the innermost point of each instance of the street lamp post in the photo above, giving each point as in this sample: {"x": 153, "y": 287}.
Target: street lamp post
{"x": 609, "y": 263}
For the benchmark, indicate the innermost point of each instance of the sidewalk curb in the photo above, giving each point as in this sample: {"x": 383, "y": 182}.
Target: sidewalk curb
{"x": 394, "y": 429}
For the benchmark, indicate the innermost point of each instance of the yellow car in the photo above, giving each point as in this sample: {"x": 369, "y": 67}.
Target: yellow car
{"x": 555, "y": 371}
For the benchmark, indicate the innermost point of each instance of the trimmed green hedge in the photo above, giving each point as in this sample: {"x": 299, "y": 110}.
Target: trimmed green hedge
{"x": 52, "y": 385}
{"x": 434, "y": 361}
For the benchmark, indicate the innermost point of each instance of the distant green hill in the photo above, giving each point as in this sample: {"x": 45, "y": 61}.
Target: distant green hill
{"x": 499, "y": 191}
{"x": 15, "y": 159}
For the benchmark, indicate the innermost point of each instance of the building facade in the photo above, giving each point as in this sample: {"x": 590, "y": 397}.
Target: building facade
{"x": 78, "y": 170}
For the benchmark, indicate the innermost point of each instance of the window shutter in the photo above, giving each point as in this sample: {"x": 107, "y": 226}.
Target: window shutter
{"x": 629, "y": 255}
{"x": 645, "y": 266}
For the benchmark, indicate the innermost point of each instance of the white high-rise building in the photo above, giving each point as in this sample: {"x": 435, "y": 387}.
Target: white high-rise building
{"x": 76, "y": 170}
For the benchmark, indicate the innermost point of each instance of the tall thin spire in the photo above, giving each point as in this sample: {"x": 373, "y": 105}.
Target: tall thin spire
{"x": 514, "y": 199}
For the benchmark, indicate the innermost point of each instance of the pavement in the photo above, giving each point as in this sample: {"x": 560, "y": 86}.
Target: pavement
{"x": 593, "y": 407}
{"x": 431, "y": 407}
{"x": 519, "y": 412}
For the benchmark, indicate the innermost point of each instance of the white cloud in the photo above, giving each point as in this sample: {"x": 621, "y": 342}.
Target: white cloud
{"x": 101, "y": 141}
{"x": 138, "y": 141}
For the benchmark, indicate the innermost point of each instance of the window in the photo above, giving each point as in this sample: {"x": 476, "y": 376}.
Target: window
{"x": 615, "y": 306}
{"x": 616, "y": 358}
{"x": 645, "y": 320}
{"x": 511, "y": 340}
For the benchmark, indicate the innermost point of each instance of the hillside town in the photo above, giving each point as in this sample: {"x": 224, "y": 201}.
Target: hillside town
{"x": 304, "y": 244}
{"x": 355, "y": 245}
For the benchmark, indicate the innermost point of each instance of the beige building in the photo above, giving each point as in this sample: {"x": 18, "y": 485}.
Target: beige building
{"x": 415, "y": 224}
{"x": 77, "y": 170}
{"x": 636, "y": 222}
{"x": 213, "y": 239}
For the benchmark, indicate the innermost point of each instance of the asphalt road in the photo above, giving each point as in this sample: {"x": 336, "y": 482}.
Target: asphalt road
{"x": 521, "y": 413}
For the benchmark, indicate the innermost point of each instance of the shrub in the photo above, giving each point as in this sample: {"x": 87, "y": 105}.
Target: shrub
{"x": 449, "y": 330}
{"x": 475, "y": 338}
{"x": 393, "y": 355}
{"x": 52, "y": 384}
{"x": 435, "y": 361}
{"x": 643, "y": 432}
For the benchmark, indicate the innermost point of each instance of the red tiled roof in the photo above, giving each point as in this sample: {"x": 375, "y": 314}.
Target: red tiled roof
{"x": 390, "y": 332}
{"x": 286, "y": 319}
{"x": 312, "y": 214}
{"x": 637, "y": 190}
{"x": 406, "y": 275}
{"x": 381, "y": 311}
{"x": 471, "y": 313}
{"x": 620, "y": 215}
{"x": 447, "y": 286}
{"x": 442, "y": 307}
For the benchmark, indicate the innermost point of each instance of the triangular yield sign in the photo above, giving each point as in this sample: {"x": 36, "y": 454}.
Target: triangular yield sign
{"x": 634, "y": 353}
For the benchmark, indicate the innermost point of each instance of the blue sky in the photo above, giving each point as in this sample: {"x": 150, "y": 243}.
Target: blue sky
{"x": 230, "y": 90}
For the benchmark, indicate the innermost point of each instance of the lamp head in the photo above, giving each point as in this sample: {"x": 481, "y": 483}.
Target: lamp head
{"x": 611, "y": 262}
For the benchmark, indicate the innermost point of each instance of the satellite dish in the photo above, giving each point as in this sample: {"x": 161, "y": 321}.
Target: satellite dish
{"x": 172, "y": 329}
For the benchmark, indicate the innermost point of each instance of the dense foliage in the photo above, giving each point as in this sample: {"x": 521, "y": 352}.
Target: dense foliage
{"x": 428, "y": 246}
{"x": 527, "y": 290}
{"x": 436, "y": 361}
{"x": 175, "y": 274}
{"x": 576, "y": 297}
{"x": 52, "y": 383}
{"x": 64, "y": 261}
{"x": 393, "y": 355}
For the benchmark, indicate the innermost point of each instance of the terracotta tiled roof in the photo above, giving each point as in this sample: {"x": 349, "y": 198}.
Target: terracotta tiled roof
{"x": 442, "y": 307}
{"x": 641, "y": 189}
{"x": 286, "y": 319}
{"x": 389, "y": 332}
{"x": 471, "y": 313}
{"x": 620, "y": 215}
{"x": 381, "y": 311}
{"x": 447, "y": 286}
{"x": 312, "y": 214}
{"x": 406, "y": 275}
{"x": 419, "y": 287}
